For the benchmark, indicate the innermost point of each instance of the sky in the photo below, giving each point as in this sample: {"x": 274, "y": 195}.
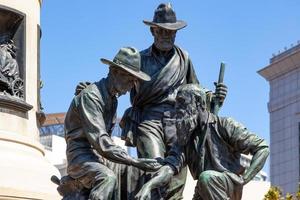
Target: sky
{"x": 243, "y": 34}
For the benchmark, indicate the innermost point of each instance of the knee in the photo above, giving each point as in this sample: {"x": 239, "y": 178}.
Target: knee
{"x": 104, "y": 186}
{"x": 206, "y": 178}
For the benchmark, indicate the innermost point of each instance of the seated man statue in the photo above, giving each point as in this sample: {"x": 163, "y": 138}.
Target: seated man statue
{"x": 9, "y": 68}
{"x": 211, "y": 146}
{"x": 88, "y": 126}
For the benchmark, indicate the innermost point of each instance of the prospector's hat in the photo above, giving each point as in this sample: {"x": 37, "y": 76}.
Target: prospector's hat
{"x": 165, "y": 17}
{"x": 129, "y": 60}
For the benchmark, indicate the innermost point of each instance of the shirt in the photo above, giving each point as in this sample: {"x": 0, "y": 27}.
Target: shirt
{"x": 88, "y": 126}
{"x": 216, "y": 144}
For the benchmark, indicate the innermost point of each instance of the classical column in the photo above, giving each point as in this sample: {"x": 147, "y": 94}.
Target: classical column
{"x": 24, "y": 171}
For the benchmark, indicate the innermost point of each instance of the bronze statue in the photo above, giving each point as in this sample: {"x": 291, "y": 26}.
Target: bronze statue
{"x": 10, "y": 80}
{"x": 88, "y": 125}
{"x": 149, "y": 123}
{"x": 211, "y": 146}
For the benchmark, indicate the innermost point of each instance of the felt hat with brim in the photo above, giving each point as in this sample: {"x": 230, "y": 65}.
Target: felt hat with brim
{"x": 165, "y": 17}
{"x": 128, "y": 59}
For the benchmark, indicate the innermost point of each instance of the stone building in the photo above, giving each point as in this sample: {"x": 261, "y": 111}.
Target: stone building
{"x": 283, "y": 75}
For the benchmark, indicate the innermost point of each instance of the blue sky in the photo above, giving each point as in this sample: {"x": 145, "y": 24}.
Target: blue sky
{"x": 244, "y": 34}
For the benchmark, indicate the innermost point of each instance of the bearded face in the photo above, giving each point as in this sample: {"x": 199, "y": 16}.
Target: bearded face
{"x": 186, "y": 117}
{"x": 163, "y": 39}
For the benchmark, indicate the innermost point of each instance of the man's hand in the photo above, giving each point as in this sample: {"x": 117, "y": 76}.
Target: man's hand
{"x": 146, "y": 164}
{"x": 237, "y": 179}
{"x": 144, "y": 193}
{"x": 161, "y": 177}
{"x": 80, "y": 87}
{"x": 221, "y": 92}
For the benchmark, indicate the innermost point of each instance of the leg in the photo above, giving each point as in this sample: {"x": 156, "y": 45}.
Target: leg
{"x": 213, "y": 185}
{"x": 176, "y": 186}
{"x": 154, "y": 139}
{"x": 129, "y": 179}
{"x": 99, "y": 179}
{"x": 150, "y": 139}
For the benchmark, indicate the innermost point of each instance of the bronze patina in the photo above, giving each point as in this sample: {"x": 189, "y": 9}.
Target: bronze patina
{"x": 211, "y": 146}
{"x": 149, "y": 123}
{"x": 88, "y": 126}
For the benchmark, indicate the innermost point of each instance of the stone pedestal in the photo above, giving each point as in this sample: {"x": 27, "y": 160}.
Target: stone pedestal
{"x": 24, "y": 171}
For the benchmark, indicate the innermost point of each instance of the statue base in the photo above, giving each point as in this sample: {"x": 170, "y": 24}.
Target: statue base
{"x": 24, "y": 171}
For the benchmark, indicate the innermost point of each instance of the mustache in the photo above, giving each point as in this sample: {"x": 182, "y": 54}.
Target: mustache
{"x": 186, "y": 121}
{"x": 165, "y": 40}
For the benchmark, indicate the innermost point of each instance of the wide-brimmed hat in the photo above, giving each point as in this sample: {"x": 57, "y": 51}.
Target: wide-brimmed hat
{"x": 129, "y": 60}
{"x": 165, "y": 17}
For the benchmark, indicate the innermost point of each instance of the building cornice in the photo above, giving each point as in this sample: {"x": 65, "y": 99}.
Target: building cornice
{"x": 281, "y": 66}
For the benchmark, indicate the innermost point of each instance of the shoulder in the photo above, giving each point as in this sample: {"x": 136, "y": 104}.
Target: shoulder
{"x": 183, "y": 51}
{"x": 93, "y": 92}
{"x": 232, "y": 122}
{"x": 230, "y": 126}
{"x": 89, "y": 90}
{"x": 146, "y": 52}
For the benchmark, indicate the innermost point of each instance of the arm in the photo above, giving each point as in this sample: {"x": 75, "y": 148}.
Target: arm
{"x": 161, "y": 178}
{"x": 90, "y": 109}
{"x": 245, "y": 142}
{"x": 91, "y": 114}
{"x": 211, "y": 98}
{"x": 258, "y": 160}
{"x": 173, "y": 165}
{"x": 81, "y": 86}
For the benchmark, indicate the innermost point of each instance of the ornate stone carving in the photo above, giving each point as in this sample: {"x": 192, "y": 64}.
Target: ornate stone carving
{"x": 10, "y": 80}
{"x": 11, "y": 53}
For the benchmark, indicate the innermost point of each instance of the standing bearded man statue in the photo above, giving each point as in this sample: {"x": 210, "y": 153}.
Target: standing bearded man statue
{"x": 149, "y": 123}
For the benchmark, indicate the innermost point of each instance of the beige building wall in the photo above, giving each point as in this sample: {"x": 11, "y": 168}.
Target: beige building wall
{"x": 24, "y": 171}
{"x": 11, "y": 123}
{"x": 283, "y": 75}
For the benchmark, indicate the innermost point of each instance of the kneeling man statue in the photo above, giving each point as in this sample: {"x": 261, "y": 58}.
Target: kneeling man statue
{"x": 211, "y": 146}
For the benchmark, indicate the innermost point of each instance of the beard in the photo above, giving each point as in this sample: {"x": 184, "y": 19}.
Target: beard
{"x": 164, "y": 44}
{"x": 184, "y": 129}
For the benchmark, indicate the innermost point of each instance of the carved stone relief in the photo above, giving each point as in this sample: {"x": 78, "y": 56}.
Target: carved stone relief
{"x": 11, "y": 53}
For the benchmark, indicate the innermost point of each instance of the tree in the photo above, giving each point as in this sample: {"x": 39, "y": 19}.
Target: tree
{"x": 298, "y": 193}
{"x": 288, "y": 196}
{"x": 275, "y": 193}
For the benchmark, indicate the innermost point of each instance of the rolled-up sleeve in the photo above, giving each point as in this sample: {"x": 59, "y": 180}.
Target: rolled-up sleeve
{"x": 241, "y": 139}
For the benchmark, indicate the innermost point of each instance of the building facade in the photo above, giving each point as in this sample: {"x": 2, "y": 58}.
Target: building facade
{"x": 283, "y": 75}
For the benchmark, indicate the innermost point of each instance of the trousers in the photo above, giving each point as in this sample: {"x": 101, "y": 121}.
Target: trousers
{"x": 213, "y": 185}
{"x": 156, "y": 135}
